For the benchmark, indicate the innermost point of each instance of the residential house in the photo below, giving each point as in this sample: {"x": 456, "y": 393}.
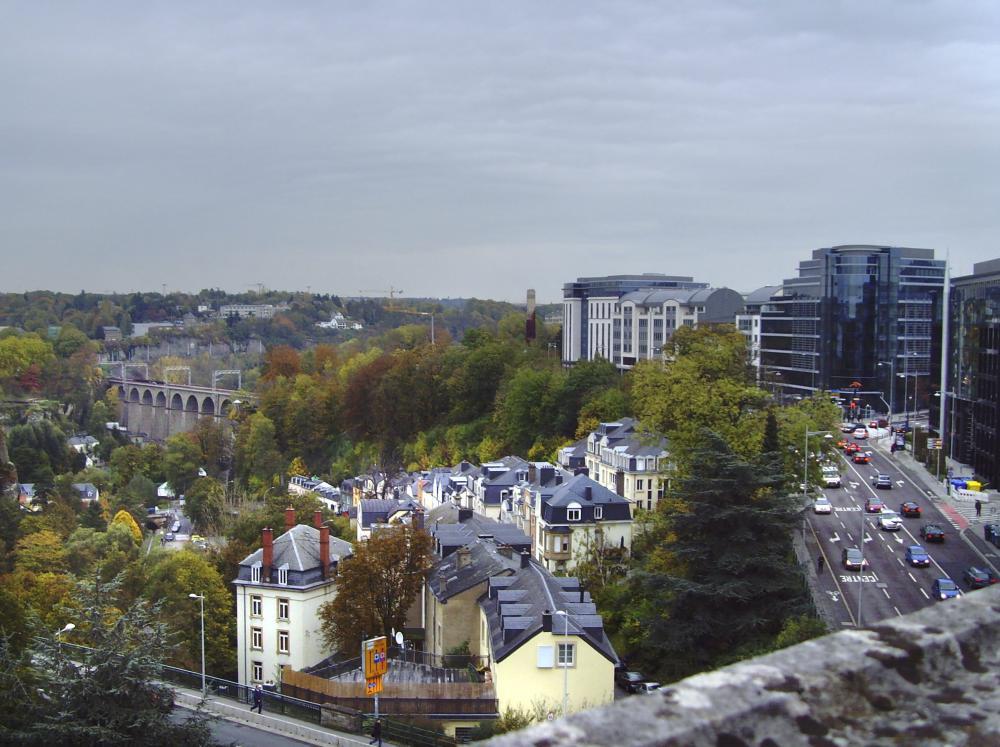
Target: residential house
{"x": 323, "y": 491}
{"x": 87, "y": 491}
{"x": 375, "y": 512}
{"x": 540, "y": 478}
{"x": 279, "y": 590}
{"x": 546, "y": 642}
{"x": 494, "y": 483}
{"x": 451, "y": 485}
{"x": 629, "y": 462}
{"x": 577, "y": 518}
{"x": 468, "y": 551}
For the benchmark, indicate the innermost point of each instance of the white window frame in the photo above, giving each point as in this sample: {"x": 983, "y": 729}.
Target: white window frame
{"x": 283, "y": 603}
{"x": 257, "y": 671}
{"x": 256, "y": 605}
{"x": 284, "y": 642}
{"x": 283, "y": 575}
{"x": 566, "y": 655}
{"x": 257, "y": 639}
{"x": 574, "y": 514}
{"x": 255, "y": 573}
{"x": 598, "y": 512}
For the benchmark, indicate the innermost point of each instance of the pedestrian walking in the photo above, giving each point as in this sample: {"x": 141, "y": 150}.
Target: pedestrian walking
{"x": 376, "y": 733}
{"x": 979, "y": 508}
{"x": 258, "y": 700}
{"x": 819, "y": 564}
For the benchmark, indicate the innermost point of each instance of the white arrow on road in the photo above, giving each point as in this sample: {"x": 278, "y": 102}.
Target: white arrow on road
{"x": 900, "y": 483}
{"x": 898, "y": 539}
{"x": 835, "y": 537}
{"x": 834, "y": 595}
{"x": 868, "y": 538}
{"x": 854, "y": 485}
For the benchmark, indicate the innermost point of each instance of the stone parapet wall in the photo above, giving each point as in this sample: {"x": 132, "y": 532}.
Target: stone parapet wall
{"x": 929, "y": 678}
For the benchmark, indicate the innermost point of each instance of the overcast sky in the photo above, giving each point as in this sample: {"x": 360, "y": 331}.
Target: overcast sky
{"x": 481, "y": 148}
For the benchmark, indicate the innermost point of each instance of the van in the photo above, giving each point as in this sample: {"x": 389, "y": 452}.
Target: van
{"x": 831, "y": 476}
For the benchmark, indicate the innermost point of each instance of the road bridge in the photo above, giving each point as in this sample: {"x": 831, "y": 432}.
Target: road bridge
{"x": 159, "y": 409}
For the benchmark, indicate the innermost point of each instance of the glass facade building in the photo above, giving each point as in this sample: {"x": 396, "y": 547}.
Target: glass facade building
{"x": 860, "y": 320}
{"x": 972, "y": 416}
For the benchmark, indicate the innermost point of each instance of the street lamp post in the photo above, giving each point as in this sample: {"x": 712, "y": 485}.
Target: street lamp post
{"x": 201, "y": 600}
{"x": 892, "y": 385}
{"x": 565, "y": 617}
{"x": 805, "y": 459}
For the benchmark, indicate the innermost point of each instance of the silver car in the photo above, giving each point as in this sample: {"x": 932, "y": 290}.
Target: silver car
{"x": 889, "y": 520}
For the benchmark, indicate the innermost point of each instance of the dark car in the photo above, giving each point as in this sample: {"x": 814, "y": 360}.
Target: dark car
{"x": 917, "y": 556}
{"x": 932, "y": 533}
{"x": 861, "y": 457}
{"x": 882, "y": 482}
{"x": 628, "y": 681}
{"x": 910, "y": 509}
{"x": 979, "y": 578}
{"x": 991, "y": 533}
{"x": 945, "y": 588}
{"x": 852, "y": 559}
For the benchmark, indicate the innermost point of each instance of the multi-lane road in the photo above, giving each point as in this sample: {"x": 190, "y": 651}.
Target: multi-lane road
{"x": 889, "y": 586}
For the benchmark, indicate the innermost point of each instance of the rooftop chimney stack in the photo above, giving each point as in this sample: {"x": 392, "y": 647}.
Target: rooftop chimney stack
{"x": 464, "y": 556}
{"x": 547, "y": 621}
{"x": 267, "y": 540}
{"x": 525, "y": 558}
{"x": 324, "y": 550}
{"x": 289, "y": 518}
{"x": 317, "y": 519}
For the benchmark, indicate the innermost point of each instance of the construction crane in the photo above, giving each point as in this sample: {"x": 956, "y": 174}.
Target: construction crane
{"x": 392, "y": 292}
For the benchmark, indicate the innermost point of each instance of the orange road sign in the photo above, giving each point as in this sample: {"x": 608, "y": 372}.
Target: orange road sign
{"x": 376, "y": 661}
{"x": 373, "y": 685}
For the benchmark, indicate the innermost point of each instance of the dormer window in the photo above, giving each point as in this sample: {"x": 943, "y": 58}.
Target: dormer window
{"x": 255, "y": 573}
{"x": 283, "y": 575}
{"x": 573, "y": 514}
{"x": 598, "y": 512}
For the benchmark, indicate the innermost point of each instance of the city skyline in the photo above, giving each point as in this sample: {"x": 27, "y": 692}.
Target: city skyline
{"x": 459, "y": 151}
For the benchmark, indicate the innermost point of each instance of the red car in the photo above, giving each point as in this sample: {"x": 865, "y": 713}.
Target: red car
{"x": 852, "y": 447}
{"x": 874, "y": 505}
{"x": 862, "y": 457}
{"x": 909, "y": 509}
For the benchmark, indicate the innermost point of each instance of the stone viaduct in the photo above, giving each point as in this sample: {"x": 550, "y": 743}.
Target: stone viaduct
{"x": 159, "y": 410}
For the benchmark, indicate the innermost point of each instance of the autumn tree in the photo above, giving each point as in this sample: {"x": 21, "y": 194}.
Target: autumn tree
{"x": 281, "y": 360}
{"x": 376, "y": 586}
{"x": 181, "y": 462}
{"x": 172, "y": 578}
{"x": 125, "y": 519}
{"x": 204, "y": 503}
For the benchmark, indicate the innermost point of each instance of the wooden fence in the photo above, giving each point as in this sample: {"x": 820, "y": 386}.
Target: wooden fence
{"x": 397, "y": 698}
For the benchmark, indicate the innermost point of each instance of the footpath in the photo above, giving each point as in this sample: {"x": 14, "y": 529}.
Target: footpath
{"x": 270, "y": 722}
{"x": 960, "y": 512}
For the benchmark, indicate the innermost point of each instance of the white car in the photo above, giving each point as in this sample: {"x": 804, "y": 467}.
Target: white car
{"x": 822, "y": 505}
{"x": 860, "y": 434}
{"x": 831, "y": 477}
{"x": 889, "y": 520}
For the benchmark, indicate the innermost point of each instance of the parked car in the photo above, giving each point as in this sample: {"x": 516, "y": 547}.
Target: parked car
{"x": 646, "y": 687}
{"x": 917, "y": 556}
{"x": 822, "y": 505}
{"x": 979, "y": 578}
{"x": 175, "y": 527}
{"x": 862, "y": 457}
{"x": 909, "y": 509}
{"x": 932, "y": 533}
{"x": 945, "y": 588}
{"x": 853, "y": 559}
{"x": 889, "y": 521}
{"x": 874, "y": 505}
{"x": 169, "y": 537}
{"x": 991, "y": 533}
{"x": 882, "y": 482}
{"x": 627, "y": 680}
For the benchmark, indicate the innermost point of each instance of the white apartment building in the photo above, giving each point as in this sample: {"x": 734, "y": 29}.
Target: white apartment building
{"x": 628, "y": 462}
{"x": 279, "y": 590}
{"x": 749, "y": 321}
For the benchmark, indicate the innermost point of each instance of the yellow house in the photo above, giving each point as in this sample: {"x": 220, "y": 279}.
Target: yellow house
{"x": 547, "y": 646}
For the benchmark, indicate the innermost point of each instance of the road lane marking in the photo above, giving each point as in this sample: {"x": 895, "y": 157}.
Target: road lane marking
{"x": 925, "y": 594}
{"x": 850, "y": 537}
{"x": 881, "y": 536}
{"x": 829, "y": 570}
{"x": 886, "y": 594}
{"x": 911, "y": 577}
{"x": 843, "y": 525}
{"x": 897, "y": 610}
{"x": 900, "y": 561}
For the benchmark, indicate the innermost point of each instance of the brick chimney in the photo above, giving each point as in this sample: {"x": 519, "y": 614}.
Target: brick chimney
{"x": 525, "y": 558}
{"x": 267, "y": 540}
{"x": 547, "y": 621}
{"x": 317, "y": 518}
{"x": 324, "y": 550}
{"x": 418, "y": 520}
{"x": 289, "y": 518}
{"x": 464, "y": 556}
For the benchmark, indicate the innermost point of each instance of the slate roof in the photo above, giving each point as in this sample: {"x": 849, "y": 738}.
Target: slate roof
{"x": 86, "y": 490}
{"x": 623, "y": 434}
{"x": 446, "y": 579}
{"x": 760, "y": 296}
{"x": 514, "y": 606}
{"x": 379, "y": 510}
{"x": 299, "y": 549}
{"x": 587, "y": 494}
{"x": 450, "y": 533}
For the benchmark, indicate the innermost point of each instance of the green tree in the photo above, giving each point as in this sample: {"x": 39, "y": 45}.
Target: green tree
{"x": 257, "y": 457}
{"x": 204, "y": 503}
{"x": 181, "y": 462}
{"x": 706, "y": 593}
{"x": 114, "y": 698}
{"x": 40, "y": 552}
{"x": 376, "y": 586}
{"x": 172, "y": 578}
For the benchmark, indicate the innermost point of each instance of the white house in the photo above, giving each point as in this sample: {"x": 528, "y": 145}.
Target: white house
{"x": 279, "y": 590}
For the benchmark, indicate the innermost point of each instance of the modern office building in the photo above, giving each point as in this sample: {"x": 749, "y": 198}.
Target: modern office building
{"x": 860, "y": 320}
{"x": 629, "y": 318}
{"x": 748, "y": 322}
{"x": 973, "y": 394}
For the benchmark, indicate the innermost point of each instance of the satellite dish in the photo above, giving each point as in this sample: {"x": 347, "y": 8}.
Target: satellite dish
{"x": 399, "y": 638}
